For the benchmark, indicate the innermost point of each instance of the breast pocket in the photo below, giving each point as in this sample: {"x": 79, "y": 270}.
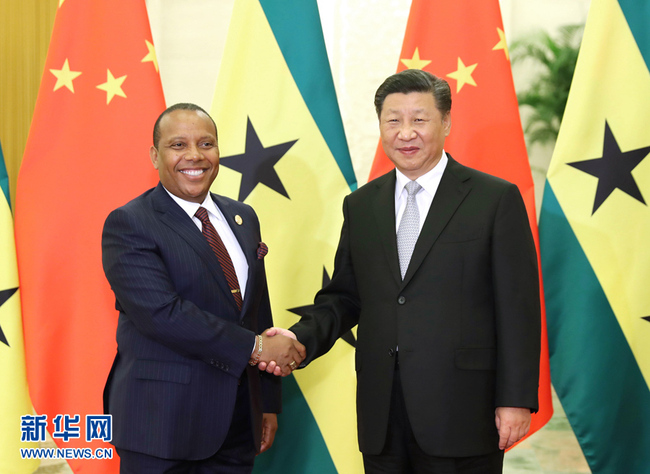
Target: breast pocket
{"x": 463, "y": 232}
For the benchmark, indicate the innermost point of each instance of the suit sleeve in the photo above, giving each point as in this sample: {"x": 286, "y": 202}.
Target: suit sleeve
{"x": 517, "y": 304}
{"x": 336, "y": 307}
{"x": 137, "y": 269}
{"x": 271, "y": 385}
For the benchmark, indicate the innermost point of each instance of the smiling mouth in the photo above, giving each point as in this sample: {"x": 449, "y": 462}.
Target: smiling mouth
{"x": 193, "y": 172}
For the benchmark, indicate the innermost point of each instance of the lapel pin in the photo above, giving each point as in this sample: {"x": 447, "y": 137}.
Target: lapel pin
{"x": 239, "y": 220}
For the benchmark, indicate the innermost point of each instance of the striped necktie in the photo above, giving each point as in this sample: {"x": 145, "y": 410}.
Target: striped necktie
{"x": 222, "y": 254}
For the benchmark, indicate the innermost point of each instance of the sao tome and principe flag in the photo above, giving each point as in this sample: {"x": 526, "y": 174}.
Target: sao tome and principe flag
{"x": 595, "y": 242}
{"x": 463, "y": 42}
{"x": 14, "y": 396}
{"x": 86, "y": 154}
{"x": 284, "y": 152}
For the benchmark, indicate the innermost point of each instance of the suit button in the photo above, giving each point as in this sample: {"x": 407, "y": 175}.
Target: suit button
{"x": 391, "y": 352}
{"x": 401, "y": 300}
{"x": 213, "y": 362}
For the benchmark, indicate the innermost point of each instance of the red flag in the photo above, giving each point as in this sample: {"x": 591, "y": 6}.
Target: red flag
{"x": 463, "y": 42}
{"x": 86, "y": 154}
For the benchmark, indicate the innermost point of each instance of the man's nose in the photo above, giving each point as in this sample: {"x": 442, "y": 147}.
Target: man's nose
{"x": 406, "y": 132}
{"x": 194, "y": 153}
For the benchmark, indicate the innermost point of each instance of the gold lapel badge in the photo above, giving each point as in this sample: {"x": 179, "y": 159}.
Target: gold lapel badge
{"x": 239, "y": 220}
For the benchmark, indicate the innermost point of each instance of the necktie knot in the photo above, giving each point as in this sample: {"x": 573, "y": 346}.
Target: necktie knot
{"x": 202, "y": 214}
{"x": 412, "y": 188}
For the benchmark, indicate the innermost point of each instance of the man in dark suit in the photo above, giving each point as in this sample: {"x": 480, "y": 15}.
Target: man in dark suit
{"x": 187, "y": 270}
{"x": 437, "y": 266}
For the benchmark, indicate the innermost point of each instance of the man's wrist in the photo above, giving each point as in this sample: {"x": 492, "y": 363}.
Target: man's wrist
{"x": 255, "y": 357}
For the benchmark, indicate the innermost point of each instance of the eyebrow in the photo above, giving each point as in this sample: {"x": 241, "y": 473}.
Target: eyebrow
{"x": 184, "y": 137}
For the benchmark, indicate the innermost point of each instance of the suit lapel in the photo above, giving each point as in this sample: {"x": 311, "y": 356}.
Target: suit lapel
{"x": 384, "y": 209}
{"x": 451, "y": 192}
{"x": 179, "y": 222}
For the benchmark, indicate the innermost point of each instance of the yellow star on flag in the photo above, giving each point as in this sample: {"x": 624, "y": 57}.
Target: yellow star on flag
{"x": 415, "y": 62}
{"x": 112, "y": 86}
{"x": 502, "y": 43}
{"x": 151, "y": 55}
{"x": 65, "y": 76}
{"x": 61, "y": 3}
{"x": 463, "y": 75}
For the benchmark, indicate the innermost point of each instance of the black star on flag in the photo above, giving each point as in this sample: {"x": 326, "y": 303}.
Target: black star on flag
{"x": 4, "y": 296}
{"x": 257, "y": 163}
{"x": 302, "y": 310}
{"x": 614, "y": 169}
{"x": 647, "y": 318}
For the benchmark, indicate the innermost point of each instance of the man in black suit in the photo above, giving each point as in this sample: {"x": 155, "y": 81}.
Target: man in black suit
{"x": 437, "y": 266}
{"x": 187, "y": 270}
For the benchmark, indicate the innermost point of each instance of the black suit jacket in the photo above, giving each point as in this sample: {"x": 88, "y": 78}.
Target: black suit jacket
{"x": 182, "y": 343}
{"x": 466, "y": 317}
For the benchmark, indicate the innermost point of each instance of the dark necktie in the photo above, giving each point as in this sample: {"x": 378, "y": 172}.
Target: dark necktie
{"x": 219, "y": 249}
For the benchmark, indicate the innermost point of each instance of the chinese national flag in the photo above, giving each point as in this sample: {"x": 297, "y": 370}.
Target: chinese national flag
{"x": 86, "y": 154}
{"x": 463, "y": 42}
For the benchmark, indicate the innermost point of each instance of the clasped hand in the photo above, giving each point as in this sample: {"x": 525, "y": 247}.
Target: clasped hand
{"x": 279, "y": 366}
{"x": 281, "y": 353}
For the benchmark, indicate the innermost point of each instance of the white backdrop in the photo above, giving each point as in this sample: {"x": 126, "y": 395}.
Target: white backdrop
{"x": 364, "y": 40}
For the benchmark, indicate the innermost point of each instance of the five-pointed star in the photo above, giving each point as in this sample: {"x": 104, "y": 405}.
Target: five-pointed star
{"x": 257, "y": 163}
{"x": 61, "y": 3}
{"x": 4, "y": 296}
{"x": 65, "y": 76}
{"x": 502, "y": 43}
{"x": 613, "y": 169}
{"x": 415, "y": 62}
{"x": 112, "y": 86}
{"x": 151, "y": 55}
{"x": 463, "y": 75}
{"x": 302, "y": 310}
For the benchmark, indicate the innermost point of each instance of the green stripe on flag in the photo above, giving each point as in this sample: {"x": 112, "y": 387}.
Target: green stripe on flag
{"x": 637, "y": 14}
{"x": 299, "y": 445}
{"x": 4, "y": 177}
{"x": 310, "y": 68}
{"x": 593, "y": 370}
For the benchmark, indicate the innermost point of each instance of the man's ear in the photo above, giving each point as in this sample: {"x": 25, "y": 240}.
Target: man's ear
{"x": 446, "y": 123}
{"x": 153, "y": 154}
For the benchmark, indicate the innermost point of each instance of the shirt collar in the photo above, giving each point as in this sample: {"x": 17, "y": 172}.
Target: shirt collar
{"x": 429, "y": 181}
{"x": 191, "y": 207}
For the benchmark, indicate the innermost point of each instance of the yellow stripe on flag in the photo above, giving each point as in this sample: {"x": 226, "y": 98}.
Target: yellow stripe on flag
{"x": 302, "y": 231}
{"x": 610, "y": 66}
{"x": 14, "y": 396}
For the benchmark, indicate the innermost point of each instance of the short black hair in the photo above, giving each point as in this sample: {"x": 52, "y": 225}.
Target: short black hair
{"x": 415, "y": 80}
{"x": 179, "y": 106}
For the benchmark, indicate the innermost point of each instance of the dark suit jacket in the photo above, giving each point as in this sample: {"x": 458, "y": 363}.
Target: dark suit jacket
{"x": 466, "y": 317}
{"x": 182, "y": 343}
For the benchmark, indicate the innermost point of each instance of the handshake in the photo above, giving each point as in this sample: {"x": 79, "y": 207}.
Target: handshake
{"x": 278, "y": 352}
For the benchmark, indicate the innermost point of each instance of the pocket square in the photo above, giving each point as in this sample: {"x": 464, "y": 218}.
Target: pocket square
{"x": 262, "y": 250}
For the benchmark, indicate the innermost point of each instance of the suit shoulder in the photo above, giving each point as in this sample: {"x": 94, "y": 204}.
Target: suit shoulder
{"x": 136, "y": 205}
{"x": 480, "y": 178}
{"x": 371, "y": 187}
